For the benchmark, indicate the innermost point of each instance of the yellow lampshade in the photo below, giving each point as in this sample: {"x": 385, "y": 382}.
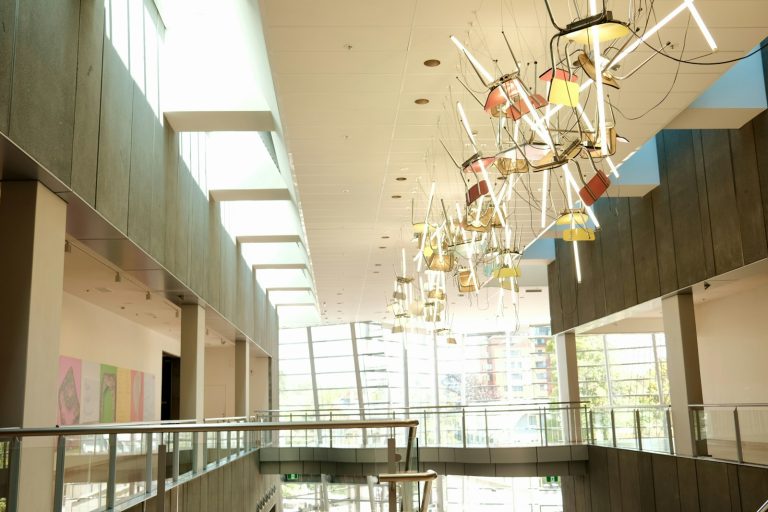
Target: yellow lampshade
{"x": 607, "y": 31}
{"x": 509, "y": 284}
{"x": 564, "y": 92}
{"x": 441, "y": 263}
{"x": 436, "y": 294}
{"x": 506, "y": 272}
{"x": 466, "y": 283}
{"x": 579, "y": 235}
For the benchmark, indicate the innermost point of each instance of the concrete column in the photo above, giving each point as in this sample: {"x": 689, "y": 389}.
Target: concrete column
{"x": 242, "y": 377}
{"x": 192, "y": 393}
{"x": 568, "y": 383}
{"x": 32, "y": 228}
{"x": 682, "y": 367}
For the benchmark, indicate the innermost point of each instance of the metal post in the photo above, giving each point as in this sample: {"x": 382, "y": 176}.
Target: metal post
{"x": 737, "y": 431}
{"x": 175, "y": 468}
{"x": 58, "y": 489}
{"x": 546, "y": 434}
{"x": 487, "y": 439}
{"x": 392, "y": 497}
{"x": 330, "y": 430}
{"x": 638, "y": 430}
{"x": 290, "y": 435}
{"x": 695, "y": 430}
{"x": 670, "y": 440}
{"x": 464, "y": 427}
{"x": 148, "y": 463}
{"x": 425, "y": 499}
{"x": 409, "y": 447}
{"x": 112, "y": 472}
{"x": 229, "y": 444}
{"x": 613, "y": 427}
{"x": 425, "y": 427}
{"x": 160, "y": 497}
{"x": 14, "y": 465}
{"x": 591, "y": 426}
{"x": 306, "y": 432}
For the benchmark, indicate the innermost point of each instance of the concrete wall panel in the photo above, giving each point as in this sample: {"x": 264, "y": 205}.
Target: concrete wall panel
{"x": 44, "y": 76}
{"x": 85, "y": 144}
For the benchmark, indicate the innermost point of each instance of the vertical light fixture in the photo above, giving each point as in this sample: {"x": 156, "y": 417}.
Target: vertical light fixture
{"x": 597, "y": 57}
{"x": 465, "y": 124}
{"x": 484, "y": 74}
{"x": 425, "y": 230}
{"x": 574, "y": 242}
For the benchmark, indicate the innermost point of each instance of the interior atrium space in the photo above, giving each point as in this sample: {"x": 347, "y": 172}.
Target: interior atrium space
{"x": 384, "y": 256}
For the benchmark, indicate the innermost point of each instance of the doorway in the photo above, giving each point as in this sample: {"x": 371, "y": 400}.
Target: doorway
{"x": 169, "y": 400}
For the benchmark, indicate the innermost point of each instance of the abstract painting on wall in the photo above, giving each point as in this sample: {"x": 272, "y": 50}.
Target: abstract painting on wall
{"x": 89, "y": 392}
{"x": 68, "y": 411}
{"x": 108, "y": 394}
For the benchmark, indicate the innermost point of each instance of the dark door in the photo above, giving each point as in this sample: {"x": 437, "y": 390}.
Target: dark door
{"x": 169, "y": 406}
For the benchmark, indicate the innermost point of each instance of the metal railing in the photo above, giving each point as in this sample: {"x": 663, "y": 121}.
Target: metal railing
{"x": 467, "y": 426}
{"x": 409, "y": 478}
{"x": 644, "y": 428}
{"x": 100, "y": 466}
{"x": 736, "y": 432}
{"x": 763, "y": 507}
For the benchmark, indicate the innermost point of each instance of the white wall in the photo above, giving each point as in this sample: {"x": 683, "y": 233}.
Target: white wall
{"x": 219, "y": 381}
{"x": 259, "y": 383}
{"x": 95, "y": 334}
{"x": 733, "y": 347}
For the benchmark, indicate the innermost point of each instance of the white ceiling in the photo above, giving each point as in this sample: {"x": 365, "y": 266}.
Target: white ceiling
{"x": 347, "y": 73}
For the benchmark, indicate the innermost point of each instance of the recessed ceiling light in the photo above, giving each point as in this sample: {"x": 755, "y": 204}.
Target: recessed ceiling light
{"x": 431, "y": 63}
{"x": 401, "y": 178}
{"x": 396, "y": 196}
{"x": 421, "y": 101}
{"x": 345, "y": 191}
{"x": 385, "y": 237}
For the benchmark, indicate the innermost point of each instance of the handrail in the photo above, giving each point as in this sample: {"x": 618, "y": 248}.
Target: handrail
{"x": 415, "y": 411}
{"x": 631, "y": 407}
{"x": 407, "y": 477}
{"x": 419, "y": 407}
{"x": 763, "y": 507}
{"x": 427, "y": 477}
{"x": 204, "y": 427}
{"x": 692, "y": 406}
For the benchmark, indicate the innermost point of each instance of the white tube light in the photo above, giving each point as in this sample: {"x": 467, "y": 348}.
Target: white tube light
{"x": 702, "y": 26}
{"x": 479, "y": 67}
{"x": 465, "y": 124}
{"x": 544, "y": 190}
{"x": 596, "y": 55}
{"x": 614, "y": 169}
{"x": 577, "y": 260}
{"x": 425, "y": 233}
{"x": 647, "y": 35}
